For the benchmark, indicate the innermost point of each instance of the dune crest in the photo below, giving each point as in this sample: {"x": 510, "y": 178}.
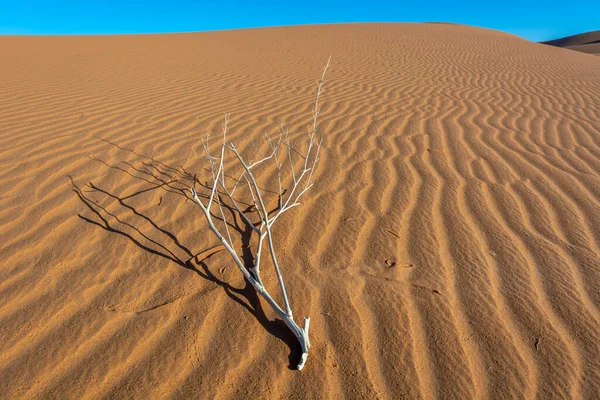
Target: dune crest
{"x": 588, "y": 42}
{"x": 450, "y": 247}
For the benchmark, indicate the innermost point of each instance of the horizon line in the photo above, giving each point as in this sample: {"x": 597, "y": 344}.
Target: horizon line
{"x": 265, "y": 27}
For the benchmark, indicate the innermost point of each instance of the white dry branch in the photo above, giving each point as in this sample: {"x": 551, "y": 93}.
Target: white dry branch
{"x": 302, "y": 163}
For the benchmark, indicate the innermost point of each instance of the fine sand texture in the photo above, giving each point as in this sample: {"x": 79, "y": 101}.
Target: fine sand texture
{"x": 450, "y": 247}
{"x": 588, "y": 42}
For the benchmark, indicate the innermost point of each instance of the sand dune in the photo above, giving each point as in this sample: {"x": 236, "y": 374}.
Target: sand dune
{"x": 588, "y": 42}
{"x": 469, "y": 158}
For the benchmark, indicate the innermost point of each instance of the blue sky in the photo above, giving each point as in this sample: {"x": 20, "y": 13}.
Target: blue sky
{"x": 533, "y": 20}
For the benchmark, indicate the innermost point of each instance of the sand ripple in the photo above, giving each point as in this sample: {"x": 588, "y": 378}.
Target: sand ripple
{"x": 451, "y": 246}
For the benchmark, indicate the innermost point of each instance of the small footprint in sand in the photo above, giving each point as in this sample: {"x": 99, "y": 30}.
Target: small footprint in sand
{"x": 390, "y": 263}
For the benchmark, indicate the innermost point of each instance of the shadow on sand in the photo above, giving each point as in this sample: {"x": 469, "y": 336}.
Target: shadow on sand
{"x": 176, "y": 181}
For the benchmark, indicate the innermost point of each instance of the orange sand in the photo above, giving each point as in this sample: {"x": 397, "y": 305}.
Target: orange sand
{"x": 469, "y": 157}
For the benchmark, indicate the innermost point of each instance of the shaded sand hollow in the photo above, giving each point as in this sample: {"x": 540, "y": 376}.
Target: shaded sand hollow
{"x": 467, "y": 159}
{"x": 588, "y": 42}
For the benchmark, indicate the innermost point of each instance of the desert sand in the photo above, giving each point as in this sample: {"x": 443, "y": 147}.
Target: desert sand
{"x": 588, "y": 42}
{"x": 450, "y": 247}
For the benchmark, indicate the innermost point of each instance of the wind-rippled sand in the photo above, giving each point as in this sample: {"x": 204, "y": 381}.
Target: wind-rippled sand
{"x": 450, "y": 248}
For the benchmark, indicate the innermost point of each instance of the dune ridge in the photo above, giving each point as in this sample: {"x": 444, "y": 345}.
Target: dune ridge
{"x": 587, "y": 42}
{"x": 450, "y": 248}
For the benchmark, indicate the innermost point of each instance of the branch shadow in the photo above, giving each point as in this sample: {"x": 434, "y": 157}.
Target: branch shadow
{"x": 169, "y": 179}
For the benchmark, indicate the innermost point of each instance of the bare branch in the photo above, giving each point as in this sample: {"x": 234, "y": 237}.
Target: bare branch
{"x": 237, "y": 208}
{"x": 265, "y": 218}
{"x": 302, "y": 165}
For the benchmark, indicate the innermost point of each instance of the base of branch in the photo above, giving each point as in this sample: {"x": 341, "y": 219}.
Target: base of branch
{"x": 302, "y": 361}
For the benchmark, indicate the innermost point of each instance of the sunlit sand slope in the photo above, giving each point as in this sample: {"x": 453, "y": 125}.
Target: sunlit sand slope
{"x": 450, "y": 248}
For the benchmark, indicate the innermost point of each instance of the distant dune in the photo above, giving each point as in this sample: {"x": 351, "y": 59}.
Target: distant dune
{"x": 450, "y": 247}
{"x": 588, "y": 42}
